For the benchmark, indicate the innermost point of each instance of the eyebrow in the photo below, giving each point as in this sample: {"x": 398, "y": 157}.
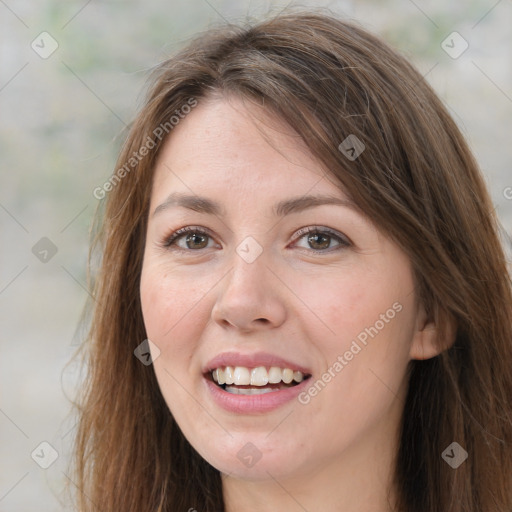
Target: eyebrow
{"x": 285, "y": 207}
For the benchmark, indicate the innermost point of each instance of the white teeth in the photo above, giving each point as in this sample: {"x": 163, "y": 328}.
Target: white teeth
{"x": 229, "y": 375}
{"x": 275, "y": 375}
{"x": 242, "y": 376}
{"x": 249, "y": 391}
{"x": 287, "y": 375}
{"x": 260, "y": 376}
{"x": 298, "y": 376}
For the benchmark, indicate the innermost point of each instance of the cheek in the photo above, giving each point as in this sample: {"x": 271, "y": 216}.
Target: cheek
{"x": 364, "y": 353}
{"x": 365, "y": 318}
{"x": 170, "y": 308}
{"x": 169, "y": 300}
{"x": 342, "y": 305}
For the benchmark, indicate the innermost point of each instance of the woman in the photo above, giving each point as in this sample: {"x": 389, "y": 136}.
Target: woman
{"x": 302, "y": 302}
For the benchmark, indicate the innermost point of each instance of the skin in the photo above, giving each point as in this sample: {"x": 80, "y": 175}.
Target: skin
{"x": 336, "y": 452}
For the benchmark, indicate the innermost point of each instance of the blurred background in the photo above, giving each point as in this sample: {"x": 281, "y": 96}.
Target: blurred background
{"x": 71, "y": 77}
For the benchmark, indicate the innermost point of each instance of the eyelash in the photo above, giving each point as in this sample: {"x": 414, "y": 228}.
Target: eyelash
{"x": 169, "y": 242}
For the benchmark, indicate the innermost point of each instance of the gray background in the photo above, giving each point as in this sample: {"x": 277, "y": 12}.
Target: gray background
{"x": 60, "y": 120}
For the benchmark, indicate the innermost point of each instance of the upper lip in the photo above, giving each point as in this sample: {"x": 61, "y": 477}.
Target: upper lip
{"x": 252, "y": 361}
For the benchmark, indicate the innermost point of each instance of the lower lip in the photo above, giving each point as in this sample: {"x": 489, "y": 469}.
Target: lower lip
{"x": 245, "y": 404}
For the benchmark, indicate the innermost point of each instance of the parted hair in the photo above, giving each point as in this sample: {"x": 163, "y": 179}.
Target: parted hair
{"x": 416, "y": 180}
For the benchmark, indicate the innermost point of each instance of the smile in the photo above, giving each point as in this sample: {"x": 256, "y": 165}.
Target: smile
{"x": 240, "y": 380}
{"x": 253, "y": 383}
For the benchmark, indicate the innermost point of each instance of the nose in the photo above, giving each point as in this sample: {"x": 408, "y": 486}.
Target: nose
{"x": 251, "y": 297}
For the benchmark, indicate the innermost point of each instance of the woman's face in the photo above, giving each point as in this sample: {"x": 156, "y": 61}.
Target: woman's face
{"x": 271, "y": 284}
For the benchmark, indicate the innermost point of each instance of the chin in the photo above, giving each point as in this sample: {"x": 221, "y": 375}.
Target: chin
{"x": 253, "y": 457}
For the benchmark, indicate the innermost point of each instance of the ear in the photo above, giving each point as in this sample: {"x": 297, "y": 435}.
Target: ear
{"x": 430, "y": 339}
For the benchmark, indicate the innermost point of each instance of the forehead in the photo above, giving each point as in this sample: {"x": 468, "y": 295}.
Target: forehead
{"x": 230, "y": 145}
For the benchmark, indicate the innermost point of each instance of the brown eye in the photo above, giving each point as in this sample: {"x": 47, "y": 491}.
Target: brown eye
{"x": 196, "y": 241}
{"x": 320, "y": 240}
{"x": 188, "y": 239}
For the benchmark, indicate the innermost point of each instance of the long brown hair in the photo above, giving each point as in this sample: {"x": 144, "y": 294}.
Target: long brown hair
{"x": 416, "y": 180}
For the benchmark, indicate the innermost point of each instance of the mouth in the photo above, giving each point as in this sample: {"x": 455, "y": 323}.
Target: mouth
{"x": 242, "y": 380}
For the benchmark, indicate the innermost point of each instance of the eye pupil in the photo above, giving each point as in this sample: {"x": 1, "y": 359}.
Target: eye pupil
{"x": 311, "y": 240}
{"x": 193, "y": 237}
